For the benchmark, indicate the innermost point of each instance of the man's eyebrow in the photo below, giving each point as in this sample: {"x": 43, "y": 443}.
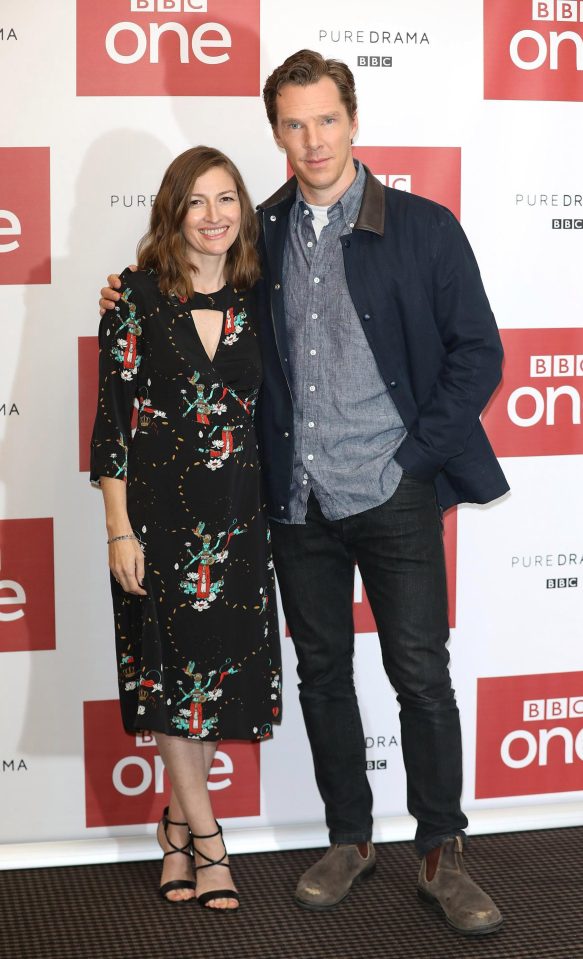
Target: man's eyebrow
{"x": 320, "y": 116}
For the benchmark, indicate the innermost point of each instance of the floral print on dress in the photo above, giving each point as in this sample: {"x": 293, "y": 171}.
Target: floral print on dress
{"x": 234, "y": 324}
{"x": 199, "y": 582}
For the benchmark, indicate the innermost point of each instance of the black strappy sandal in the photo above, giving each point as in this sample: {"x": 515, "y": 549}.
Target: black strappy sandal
{"x": 186, "y": 850}
{"x": 215, "y": 893}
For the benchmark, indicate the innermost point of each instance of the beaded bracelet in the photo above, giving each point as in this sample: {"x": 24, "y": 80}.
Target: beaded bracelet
{"x": 115, "y": 539}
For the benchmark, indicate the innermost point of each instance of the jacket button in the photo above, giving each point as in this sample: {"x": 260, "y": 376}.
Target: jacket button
{"x": 286, "y": 435}
{"x": 282, "y": 508}
{"x": 366, "y": 316}
{"x": 346, "y": 243}
{"x": 277, "y": 286}
{"x": 273, "y": 218}
{"x": 392, "y": 383}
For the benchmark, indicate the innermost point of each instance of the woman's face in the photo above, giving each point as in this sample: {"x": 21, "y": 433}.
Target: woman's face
{"x": 213, "y": 220}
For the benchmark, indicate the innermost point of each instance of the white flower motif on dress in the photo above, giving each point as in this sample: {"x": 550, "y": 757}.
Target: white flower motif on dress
{"x": 222, "y": 556}
{"x": 219, "y": 408}
{"x": 204, "y": 732}
{"x": 214, "y": 694}
{"x": 122, "y": 343}
{"x": 184, "y": 712}
{"x": 230, "y": 339}
{"x": 214, "y": 464}
{"x": 131, "y": 685}
{"x": 126, "y": 375}
{"x": 200, "y": 604}
{"x": 141, "y": 710}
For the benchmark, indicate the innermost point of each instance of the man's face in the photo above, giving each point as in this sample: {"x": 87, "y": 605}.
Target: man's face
{"x": 315, "y": 130}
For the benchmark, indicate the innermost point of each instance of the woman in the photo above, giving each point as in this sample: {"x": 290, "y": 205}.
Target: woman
{"x": 192, "y": 578}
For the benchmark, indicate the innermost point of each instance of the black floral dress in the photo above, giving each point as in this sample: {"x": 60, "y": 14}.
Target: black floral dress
{"x": 198, "y": 656}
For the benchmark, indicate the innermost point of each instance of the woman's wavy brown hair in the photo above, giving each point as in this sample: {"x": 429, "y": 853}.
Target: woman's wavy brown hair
{"x": 163, "y": 247}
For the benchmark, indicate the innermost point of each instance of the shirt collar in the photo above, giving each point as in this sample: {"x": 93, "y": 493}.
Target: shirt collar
{"x": 347, "y": 205}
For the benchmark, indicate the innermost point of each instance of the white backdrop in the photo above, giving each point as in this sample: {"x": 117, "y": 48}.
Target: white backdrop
{"x": 87, "y": 142}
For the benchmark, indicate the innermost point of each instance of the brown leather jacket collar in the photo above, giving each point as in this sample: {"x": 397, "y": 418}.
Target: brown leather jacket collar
{"x": 372, "y": 209}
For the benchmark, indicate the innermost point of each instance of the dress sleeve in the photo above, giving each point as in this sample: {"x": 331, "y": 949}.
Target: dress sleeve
{"x": 120, "y": 356}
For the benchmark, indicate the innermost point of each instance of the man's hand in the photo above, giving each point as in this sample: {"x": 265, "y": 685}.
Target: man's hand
{"x": 109, "y": 294}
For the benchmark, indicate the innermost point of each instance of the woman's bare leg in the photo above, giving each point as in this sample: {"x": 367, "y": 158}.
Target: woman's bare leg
{"x": 175, "y": 867}
{"x": 187, "y": 763}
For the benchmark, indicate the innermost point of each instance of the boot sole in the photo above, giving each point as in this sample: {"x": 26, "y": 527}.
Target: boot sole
{"x": 365, "y": 874}
{"x": 434, "y": 903}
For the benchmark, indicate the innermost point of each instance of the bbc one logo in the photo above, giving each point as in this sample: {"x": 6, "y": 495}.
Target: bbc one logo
{"x": 533, "y": 50}
{"x": 25, "y": 229}
{"x": 167, "y": 48}
{"x": 536, "y": 410}
{"x": 27, "y": 585}
{"x": 125, "y": 779}
{"x": 374, "y": 61}
{"x": 529, "y": 735}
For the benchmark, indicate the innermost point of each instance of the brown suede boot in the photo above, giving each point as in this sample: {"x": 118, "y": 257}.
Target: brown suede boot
{"x": 329, "y": 880}
{"x": 444, "y": 882}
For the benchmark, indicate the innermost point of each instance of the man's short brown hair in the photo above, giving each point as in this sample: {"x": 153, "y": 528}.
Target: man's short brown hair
{"x": 306, "y": 67}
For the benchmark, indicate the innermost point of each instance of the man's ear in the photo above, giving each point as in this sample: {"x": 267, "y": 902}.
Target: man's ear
{"x": 354, "y": 126}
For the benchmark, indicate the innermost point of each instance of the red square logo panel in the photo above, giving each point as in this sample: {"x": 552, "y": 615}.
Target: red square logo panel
{"x": 536, "y": 410}
{"x": 25, "y": 215}
{"x": 529, "y": 735}
{"x": 88, "y": 372}
{"x": 168, "y": 48}
{"x": 27, "y": 585}
{"x": 533, "y": 50}
{"x": 125, "y": 780}
{"x": 433, "y": 172}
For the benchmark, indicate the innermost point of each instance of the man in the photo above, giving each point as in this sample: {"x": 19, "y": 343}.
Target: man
{"x": 380, "y": 352}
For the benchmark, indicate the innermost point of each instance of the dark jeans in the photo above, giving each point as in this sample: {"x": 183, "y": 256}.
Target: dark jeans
{"x": 399, "y": 550}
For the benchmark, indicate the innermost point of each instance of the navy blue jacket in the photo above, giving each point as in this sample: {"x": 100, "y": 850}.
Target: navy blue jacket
{"x": 416, "y": 287}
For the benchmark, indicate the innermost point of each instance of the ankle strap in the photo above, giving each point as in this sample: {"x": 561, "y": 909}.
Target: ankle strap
{"x": 171, "y": 822}
{"x": 211, "y": 835}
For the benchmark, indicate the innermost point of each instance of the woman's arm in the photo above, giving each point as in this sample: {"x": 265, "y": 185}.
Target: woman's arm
{"x": 126, "y": 560}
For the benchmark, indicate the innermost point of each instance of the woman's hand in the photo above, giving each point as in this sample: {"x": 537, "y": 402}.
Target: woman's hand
{"x": 126, "y": 562}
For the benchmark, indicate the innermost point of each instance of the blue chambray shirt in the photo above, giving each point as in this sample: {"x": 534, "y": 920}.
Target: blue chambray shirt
{"x": 346, "y": 426}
